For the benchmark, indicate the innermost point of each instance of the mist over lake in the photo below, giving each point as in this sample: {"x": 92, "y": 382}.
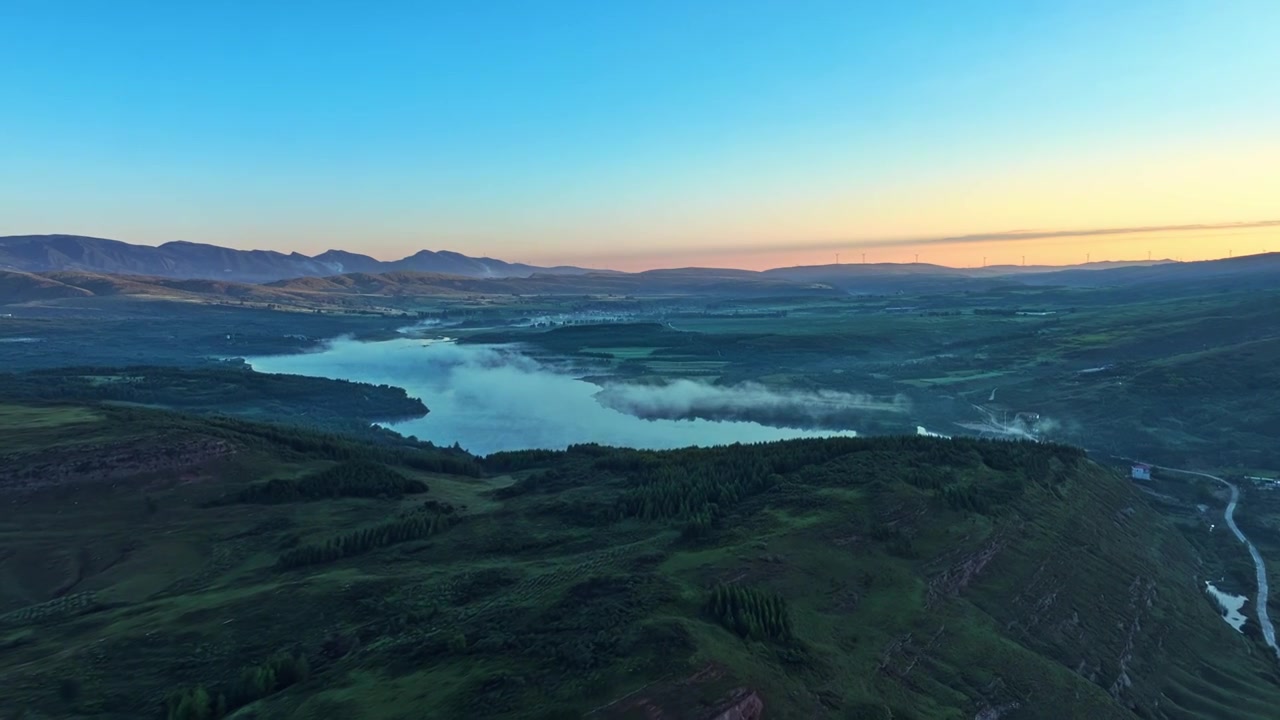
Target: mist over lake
{"x": 491, "y": 398}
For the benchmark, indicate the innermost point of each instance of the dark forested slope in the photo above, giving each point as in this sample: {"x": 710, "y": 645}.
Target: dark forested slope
{"x": 159, "y": 565}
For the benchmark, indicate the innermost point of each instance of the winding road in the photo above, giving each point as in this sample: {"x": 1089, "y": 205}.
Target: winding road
{"x": 1264, "y": 620}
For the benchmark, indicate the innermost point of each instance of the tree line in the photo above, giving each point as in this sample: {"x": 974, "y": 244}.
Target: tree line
{"x": 353, "y": 478}
{"x": 255, "y": 682}
{"x": 749, "y": 612}
{"x": 414, "y": 527}
{"x": 697, "y": 487}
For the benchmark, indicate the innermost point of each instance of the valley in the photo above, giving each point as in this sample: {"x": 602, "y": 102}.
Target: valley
{"x": 639, "y": 361}
{"x": 571, "y": 552}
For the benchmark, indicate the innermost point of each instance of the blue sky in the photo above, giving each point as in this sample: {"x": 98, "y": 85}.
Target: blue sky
{"x": 638, "y": 133}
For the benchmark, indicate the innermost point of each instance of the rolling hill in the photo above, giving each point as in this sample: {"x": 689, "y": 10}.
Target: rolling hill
{"x": 165, "y": 565}
{"x": 21, "y": 287}
{"x": 1260, "y": 271}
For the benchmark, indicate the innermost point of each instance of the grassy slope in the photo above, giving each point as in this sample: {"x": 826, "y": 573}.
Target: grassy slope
{"x": 534, "y": 604}
{"x": 1187, "y": 380}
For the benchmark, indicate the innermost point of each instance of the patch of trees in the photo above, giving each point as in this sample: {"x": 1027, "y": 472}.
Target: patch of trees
{"x": 354, "y": 478}
{"x": 686, "y": 493}
{"x": 699, "y": 485}
{"x": 699, "y": 526}
{"x": 966, "y": 497}
{"x": 255, "y": 682}
{"x": 647, "y": 471}
{"x": 514, "y": 461}
{"x": 547, "y": 481}
{"x": 749, "y": 612}
{"x": 357, "y": 542}
{"x": 517, "y": 460}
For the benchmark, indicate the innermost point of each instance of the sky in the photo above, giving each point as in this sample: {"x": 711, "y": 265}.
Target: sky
{"x": 630, "y": 134}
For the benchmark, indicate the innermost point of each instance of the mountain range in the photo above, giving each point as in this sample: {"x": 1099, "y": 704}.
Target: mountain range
{"x": 187, "y": 260}
{"x": 44, "y": 267}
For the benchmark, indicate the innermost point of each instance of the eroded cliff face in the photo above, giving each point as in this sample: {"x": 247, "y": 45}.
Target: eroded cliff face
{"x": 699, "y": 696}
{"x": 743, "y": 704}
{"x": 101, "y": 462}
{"x": 1105, "y": 586}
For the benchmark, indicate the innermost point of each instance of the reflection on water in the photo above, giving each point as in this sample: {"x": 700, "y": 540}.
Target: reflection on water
{"x": 491, "y": 398}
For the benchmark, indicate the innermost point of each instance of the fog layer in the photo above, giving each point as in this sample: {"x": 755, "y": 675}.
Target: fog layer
{"x": 492, "y": 398}
{"x": 679, "y": 399}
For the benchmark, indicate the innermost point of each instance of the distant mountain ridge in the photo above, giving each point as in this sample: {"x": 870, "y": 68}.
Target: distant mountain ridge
{"x": 188, "y": 260}
{"x": 1244, "y": 273}
{"x": 344, "y": 271}
{"x": 21, "y": 287}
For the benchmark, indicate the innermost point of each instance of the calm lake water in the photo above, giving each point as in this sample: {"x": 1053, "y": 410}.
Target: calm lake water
{"x": 492, "y": 398}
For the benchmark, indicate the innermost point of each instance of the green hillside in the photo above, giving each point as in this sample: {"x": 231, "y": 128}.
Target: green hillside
{"x": 159, "y": 565}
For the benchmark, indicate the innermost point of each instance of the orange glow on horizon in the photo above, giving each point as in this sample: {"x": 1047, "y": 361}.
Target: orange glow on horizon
{"x": 1186, "y": 246}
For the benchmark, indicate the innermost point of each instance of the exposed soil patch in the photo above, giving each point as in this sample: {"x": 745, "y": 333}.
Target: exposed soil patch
{"x": 106, "y": 462}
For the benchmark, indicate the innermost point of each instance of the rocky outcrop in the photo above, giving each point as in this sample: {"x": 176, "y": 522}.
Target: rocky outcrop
{"x": 688, "y": 698}
{"x": 951, "y": 581}
{"x": 743, "y": 704}
{"x": 995, "y": 712}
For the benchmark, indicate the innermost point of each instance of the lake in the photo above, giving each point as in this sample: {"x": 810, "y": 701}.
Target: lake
{"x": 490, "y": 398}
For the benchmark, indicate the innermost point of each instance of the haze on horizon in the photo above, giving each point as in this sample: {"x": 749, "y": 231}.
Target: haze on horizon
{"x": 747, "y": 134}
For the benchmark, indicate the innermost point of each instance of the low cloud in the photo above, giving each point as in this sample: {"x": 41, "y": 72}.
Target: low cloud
{"x": 493, "y": 398}
{"x": 1006, "y": 236}
{"x": 1015, "y": 235}
{"x": 684, "y": 399}
{"x": 1020, "y": 235}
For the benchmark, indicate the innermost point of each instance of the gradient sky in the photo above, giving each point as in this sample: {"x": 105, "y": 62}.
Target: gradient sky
{"x": 655, "y": 133}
